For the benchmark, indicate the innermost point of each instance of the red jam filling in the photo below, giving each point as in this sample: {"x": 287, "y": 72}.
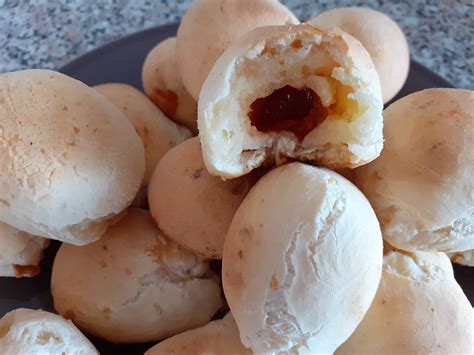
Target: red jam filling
{"x": 288, "y": 109}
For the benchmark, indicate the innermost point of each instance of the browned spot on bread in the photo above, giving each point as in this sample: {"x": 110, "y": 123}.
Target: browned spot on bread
{"x": 383, "y": 301}
{"x": 197, "y": 174}
{"x": 69, "y": 314}
{"x": 106, "y": 311}
{"x": 296, "y": 44}
{"x": 166, "y": 100}
{"x": 456, "y": 256}
{"x": 246, "y": 233}
{"x": 26, "y": 270}
{"x": 77, "y": 130}
{"x": 105, "y": 247}
{"x": 241, "y": 254}
{"x": 103, "y": 264}
{"x": 274, "y": 282}
{"x": 269, "y": 50}
{"x": 15, "y": 140}
{"x": 65, "y": 108}
{"x": 128, "y": 272}
{"x": 455, "y": 112}
{"x": 160, "y": 250}
{"x": 5, "y": 202}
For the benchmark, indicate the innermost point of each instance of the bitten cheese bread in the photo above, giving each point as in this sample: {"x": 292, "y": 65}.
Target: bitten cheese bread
{"x": 293, "y": 92}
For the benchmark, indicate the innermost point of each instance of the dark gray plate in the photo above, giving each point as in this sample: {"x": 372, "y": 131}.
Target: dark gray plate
{"x": 121, "y": 61}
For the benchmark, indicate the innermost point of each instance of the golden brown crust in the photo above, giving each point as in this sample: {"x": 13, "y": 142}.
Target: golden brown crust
{"x": 209, "y": 27}
{"x": 163, "y": 84}
{"x": 191, "y": 206}
{"x": 381, "y": 36}
{"x": 134, "y": 285}
{"x": 66, "y": 152}
{"x": 409, "y": 315}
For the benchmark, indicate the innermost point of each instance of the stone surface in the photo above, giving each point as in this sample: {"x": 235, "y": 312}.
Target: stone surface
{"x": 50, "y": 33}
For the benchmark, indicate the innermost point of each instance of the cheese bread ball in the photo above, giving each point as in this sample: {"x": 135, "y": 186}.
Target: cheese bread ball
{"x": 191, "y": 206}
{"x": 157, "y": 132}
{"x": 20, "y": 252}
{"x": 27, "y": 331}
{"x": 302, "y": 261}
{"x": 294, "y": 92}
{"x": 70, "y": 161}
{"x": 422, "y": 185}
{"x": 217, "y": 337}
{"x": 134, "y": 285}
{"x": 163, "y": 84}
{"x": 419, "y": 309}
{"x": 381, "y": 36}
{"x": 210, "y": 26}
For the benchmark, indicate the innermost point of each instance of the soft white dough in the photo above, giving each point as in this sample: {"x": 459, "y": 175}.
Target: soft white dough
{"x": 333, "y": 64}
{"x": 70, "y": 161}
{"x": 422, "y": 185}
{"x": 302, "y": 261}
{"x": 27, "y": 332}
{"x": 419, "y": 308}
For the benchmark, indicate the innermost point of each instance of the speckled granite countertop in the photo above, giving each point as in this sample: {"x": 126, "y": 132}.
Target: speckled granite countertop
{"x": 50, "y": 33}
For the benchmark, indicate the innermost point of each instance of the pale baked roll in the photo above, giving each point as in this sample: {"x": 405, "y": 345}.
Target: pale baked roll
{"x": 381, "y": 36}
{"x": 134, "y": 285}
{"x": 465, "y": 258}
{"x": 419, "y": 309}
{"x": 210, "y": 26}
{"x": 218, "y": 337}
{"x": 422, "y": 185}
{"x": 70, "y": 161}
{"x": 163, "y": 84}
{"x": 290, "y": 92}
{"x": 302, "y": 261}
{"x": 27, "y": 331}
{"x": 20, "y": 252}
{"x": 191, "y": 206}
{"x": 157, "y": 132}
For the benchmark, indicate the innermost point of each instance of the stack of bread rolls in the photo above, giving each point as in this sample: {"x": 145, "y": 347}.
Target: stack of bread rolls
{"x": 165, "y": 232}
